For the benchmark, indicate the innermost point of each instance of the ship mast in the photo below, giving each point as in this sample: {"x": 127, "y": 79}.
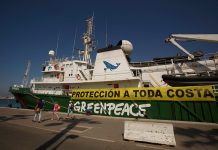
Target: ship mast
{"x": 88, "y": 41}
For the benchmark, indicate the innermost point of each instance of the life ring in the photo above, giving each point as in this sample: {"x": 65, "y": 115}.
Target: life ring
{"x": 78, "y": 77}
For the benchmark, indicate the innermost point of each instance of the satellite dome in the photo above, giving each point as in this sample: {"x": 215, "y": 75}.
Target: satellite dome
{"x": 51, "y": 53}
{"x": 126, "y": 46}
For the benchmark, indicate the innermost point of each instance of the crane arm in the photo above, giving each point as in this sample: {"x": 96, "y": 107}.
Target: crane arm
{"x": 196, "y": 37}
{"x": 191, "y": 37}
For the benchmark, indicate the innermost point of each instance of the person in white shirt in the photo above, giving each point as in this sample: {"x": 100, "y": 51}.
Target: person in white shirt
{"x": 70, "y": 109}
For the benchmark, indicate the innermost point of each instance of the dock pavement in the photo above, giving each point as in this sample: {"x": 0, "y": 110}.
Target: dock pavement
{"x": 17, "y": 131}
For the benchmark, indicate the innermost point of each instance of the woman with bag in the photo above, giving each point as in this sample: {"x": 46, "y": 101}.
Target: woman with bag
{"x": 38, "y": 110}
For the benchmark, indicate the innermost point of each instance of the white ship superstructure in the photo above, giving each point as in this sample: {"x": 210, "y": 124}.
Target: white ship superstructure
{"x": 112, "y": 68}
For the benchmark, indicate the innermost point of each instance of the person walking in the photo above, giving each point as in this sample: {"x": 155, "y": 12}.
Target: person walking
{"x": 55, "y": 111}
{"x": 38, "y": 110}
{"x": 70, "y": 109}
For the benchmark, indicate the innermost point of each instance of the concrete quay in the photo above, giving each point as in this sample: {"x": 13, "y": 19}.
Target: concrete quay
{"x": 17, "y": 131}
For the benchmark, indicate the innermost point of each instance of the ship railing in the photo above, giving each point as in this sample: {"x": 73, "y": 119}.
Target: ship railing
{"x": 67, "y": 92}
{"x": 210, "y": 60}
{"x": 207, "y": 56}
{"x": 37, "y": 80}
{"x": 48, "y": 91}
{"x": 16, "y": 87}
{"x": 215, "y": 89}
{"x": 45, "y": 80}
{"x": 212, "y": 56}
{"x": 58, "y": 60}
{"x": 169, "y": 60}
{"x": 200, "y": 73}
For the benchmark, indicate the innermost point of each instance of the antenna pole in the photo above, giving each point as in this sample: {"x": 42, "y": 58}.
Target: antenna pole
{"x": 106, "y": 43}
{"x": 74, "y": 41}
{"x": 57, "y": 43}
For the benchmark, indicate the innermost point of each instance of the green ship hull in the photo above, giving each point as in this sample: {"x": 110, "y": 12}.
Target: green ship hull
{"x": 199, "y": 109}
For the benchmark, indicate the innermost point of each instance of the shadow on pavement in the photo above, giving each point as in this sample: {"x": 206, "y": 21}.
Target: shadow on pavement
{"x": 44, "y": 120}
{"x": 199, "y": 137}
{"x": 54, "y": 140}
{"x": 62, "y": 136}
{"x": 14, "y": 117}
{"x": 66, "y": 138}
{"x": 82, "y": 120}
{"x": 54, "y": 124}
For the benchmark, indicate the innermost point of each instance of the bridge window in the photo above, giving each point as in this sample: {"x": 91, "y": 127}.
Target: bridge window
{"x": 136, "y": 72}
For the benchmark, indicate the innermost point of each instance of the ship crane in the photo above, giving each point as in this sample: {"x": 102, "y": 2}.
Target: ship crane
{"x": 191, "y": 37}
{"x": 26, "y": 75}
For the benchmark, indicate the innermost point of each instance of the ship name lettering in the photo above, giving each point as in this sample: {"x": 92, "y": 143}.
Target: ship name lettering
{"x": 117, "y": 109}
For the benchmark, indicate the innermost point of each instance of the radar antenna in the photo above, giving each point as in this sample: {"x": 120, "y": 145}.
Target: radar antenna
{"x": 26, "y": 75}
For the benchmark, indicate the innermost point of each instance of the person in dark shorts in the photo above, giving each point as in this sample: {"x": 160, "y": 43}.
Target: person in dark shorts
{"x": 38, "y": 110}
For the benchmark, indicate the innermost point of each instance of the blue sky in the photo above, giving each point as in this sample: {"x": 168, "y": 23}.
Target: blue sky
{"x": 29, "y": 29}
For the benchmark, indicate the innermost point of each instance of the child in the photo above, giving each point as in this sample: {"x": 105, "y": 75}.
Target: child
{"x": 55, "y": 111}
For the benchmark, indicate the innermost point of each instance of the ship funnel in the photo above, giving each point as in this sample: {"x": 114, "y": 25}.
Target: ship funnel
{"x": 126, "y": 46}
